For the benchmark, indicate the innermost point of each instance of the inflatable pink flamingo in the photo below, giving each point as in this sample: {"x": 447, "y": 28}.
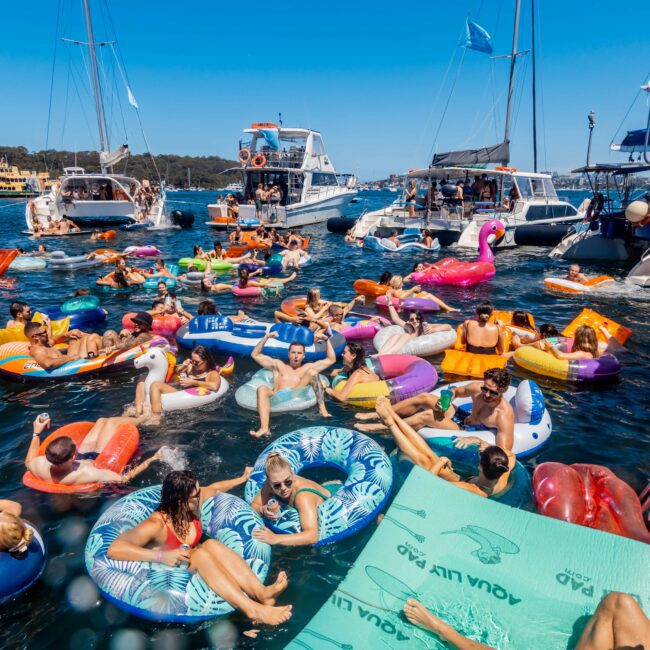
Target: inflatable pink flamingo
{"x": 449, "y": 270}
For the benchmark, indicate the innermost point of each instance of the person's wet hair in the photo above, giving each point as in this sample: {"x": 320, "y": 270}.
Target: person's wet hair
{"x": 548, "y": 330}
{"x": 60, "y": 450}
{"x": 297, "y": 344}
{"x": 385, "y": 277}
{"x": 359, "y": 357}
{"x": 484, "y": 310}
{"x": 17, "y": 307}
{"x": 500, "y": 376}
{"x": 205, "y": 355}
{"x": 207, "y": 307}
{"x": 521, "y": 318}
{"x": 178, "y": 488}
{"x": 494, "y": 462}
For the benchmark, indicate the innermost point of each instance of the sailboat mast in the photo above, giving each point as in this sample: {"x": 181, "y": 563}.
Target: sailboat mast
{"x": 97, "y": 89}
{"x": 513, "y": 60}
{"x": 532, "y": 10}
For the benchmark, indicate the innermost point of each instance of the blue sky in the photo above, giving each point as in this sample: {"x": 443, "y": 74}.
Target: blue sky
{"x": 369, "y": 75}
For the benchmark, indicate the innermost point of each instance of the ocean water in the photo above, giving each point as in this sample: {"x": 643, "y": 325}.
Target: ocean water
{"x": 605, "y": 425}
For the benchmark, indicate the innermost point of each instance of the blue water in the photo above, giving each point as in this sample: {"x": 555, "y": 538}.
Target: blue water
{"x": 607, "y": 425}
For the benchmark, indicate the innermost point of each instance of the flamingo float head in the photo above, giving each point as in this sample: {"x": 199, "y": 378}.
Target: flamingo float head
{"x": 492, "y": 227}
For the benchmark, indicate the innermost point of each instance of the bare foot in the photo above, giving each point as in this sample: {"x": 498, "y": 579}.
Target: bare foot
{"x": 419, "y": 615}
{"x": 371, "y": 427}
{"x": 270, "y": 615}
{"x": 366, "y": 416}
{"x": 274, "y": 590}
{"x": 384, "y": 410}
{"x": 323, "y": 411}
{"x": 260, "y": 432}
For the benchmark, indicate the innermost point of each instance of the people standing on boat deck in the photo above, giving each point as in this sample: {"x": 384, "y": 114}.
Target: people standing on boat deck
{"x": 288, "y": 377}
{"x": 459, "y": 191}
{"x": 513, "y": 196}
{"x": 574, "y": 274}
{"x": 477, "y": 188}
{"x": 233, "y": 207}
{"x": 260, "y": 199}
{"x": 479, "y": 335}
{"x": 410, "y": 198}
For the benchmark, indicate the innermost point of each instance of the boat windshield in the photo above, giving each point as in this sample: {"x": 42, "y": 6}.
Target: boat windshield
{"x": 535, "y": 187}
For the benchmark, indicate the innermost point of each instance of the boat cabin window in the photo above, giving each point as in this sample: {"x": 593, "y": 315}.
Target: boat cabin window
{"x": 320, "y": 179}
{"x": 550, "y": 211}
{"x": 317, "y": 146}
{"x": 282, "y": 151}
{"x": 531, "y": 187}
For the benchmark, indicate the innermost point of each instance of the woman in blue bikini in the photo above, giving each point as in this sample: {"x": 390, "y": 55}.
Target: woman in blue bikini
{"x": 284, "y": 485}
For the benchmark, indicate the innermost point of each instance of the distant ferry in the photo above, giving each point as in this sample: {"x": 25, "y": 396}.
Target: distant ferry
{"x": 15, "y": 183}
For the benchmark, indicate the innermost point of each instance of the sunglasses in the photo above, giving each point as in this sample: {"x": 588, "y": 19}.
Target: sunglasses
{"x": 41, "y": 333}
{"x": 196, "y": 495}
{"x": 489, "y": 391}
{"x": 413, "y": 319}
{"x": 287, "y": 483}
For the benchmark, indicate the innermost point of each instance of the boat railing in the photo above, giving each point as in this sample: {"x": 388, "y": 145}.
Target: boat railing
{"x": 291, "y": 159}
{"x": 324, "y": 191}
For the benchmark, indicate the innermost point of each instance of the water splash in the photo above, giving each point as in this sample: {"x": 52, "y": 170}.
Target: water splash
{"x": 175, "y": 458}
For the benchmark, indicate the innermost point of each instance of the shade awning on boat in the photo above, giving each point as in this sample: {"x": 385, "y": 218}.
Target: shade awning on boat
{"x": 498, "y": 153}
{"x": 613, "y": 168}
{"x": 634, "y": 141}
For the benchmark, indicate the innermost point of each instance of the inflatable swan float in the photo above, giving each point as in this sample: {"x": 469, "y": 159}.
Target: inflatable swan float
{"x": 449, "y": 270}
{"x": 160, "y": 365}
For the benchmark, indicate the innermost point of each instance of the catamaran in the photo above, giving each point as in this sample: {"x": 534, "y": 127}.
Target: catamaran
{"x": 104, "y": 198}
{"x": 293, "y": 160}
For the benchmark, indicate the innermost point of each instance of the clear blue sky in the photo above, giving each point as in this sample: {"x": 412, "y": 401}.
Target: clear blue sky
{"x": 368, "y": 75}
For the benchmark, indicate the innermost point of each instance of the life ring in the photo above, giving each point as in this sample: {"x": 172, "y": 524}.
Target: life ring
{"x": 532, "y": 427}
{"x": 114, "y": 457}
{"x": 109, "y": 234}
{"x": 193, "y": 278}
{"x": 369, "y": 479}
{"x": 20, "y": 571}
{"x": 370, "y": 288}
{"x": 539, "y": 362}
{"x": 152, "y": 283}
{"x": 244, "y": 156}
{"x": 283, "y": 401}
{"x": 423, "y": 305}
{"x": 259, "y": 160}
{"x": 171, "y": 594}
{"x": 360, "y": 329}
{"x": 518, "y": 493}
{"x": 421, "y": 346}
{"x": 80, "y": 303}
{"x": 400, "y": 376}
{"x": 589, "y": 495}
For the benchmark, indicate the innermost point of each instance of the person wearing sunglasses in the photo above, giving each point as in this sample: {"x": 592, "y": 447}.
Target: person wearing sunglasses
{"x": 199, "y": 371}
{"x": 82, "y": 346}
{"x": 495, "y": 463}
{"x": 489, "y": 410}
{"x": 479, "y": 335}
{"x": 284, "y": 485}
{"x": 173, "y": 535}
{"x": 413, "y": 326}
{"x": 574, "y": 274}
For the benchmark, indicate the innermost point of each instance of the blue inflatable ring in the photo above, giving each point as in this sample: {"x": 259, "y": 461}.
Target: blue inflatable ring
{"x": 152, "y": 283}
{"x": 158, "y": 592}
{"x": 359, "y": 500}
{"x": 19, "y": 571}
{"x": 80, "y": 303}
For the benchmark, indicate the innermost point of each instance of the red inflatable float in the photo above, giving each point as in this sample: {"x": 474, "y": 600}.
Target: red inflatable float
{"x": 589, "y": 495}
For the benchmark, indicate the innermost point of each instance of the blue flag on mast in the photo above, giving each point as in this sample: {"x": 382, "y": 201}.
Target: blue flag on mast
{"x": 477, "y": 38}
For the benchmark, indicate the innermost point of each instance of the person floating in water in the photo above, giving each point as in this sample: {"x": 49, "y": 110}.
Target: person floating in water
{"x": 574, "y": 274}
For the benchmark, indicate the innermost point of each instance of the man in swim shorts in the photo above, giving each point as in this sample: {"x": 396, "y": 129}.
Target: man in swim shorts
{"x": 490, "y": 410}
{"x": 288, "y": 376}
{"x": 66, "y": 464}
{"x": 142, "y": 324}
{"x": 80, "y": 346}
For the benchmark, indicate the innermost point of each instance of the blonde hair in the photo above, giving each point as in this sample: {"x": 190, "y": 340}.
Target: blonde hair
{"x": 585, "y": 340}
{"x": 396, "y": 282}
{"x": 15, "y": 537}
{"x": 276, "y": 463}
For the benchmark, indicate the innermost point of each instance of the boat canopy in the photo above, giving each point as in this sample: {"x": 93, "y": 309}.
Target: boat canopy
{"x": 616, "y": 169}
{"x": 634, "y": 141}
{"x": 459, "y": 172}
{"x": 498, "y": 154}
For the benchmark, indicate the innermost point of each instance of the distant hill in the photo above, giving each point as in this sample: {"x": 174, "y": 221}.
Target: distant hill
{"x": 204, "y": 170}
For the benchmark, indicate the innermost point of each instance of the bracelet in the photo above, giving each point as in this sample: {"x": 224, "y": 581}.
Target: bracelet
{"x": 36, "y": 435}
{"x": 159, "y": 556}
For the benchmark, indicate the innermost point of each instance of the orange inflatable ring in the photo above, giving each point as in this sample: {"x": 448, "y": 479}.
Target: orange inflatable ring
{"x": 244, "y": 156}
{"x": 165, "y": 325}
{"x": 259, "y": 160}
{"x": 263, "y": 125}
{"x": 292, "y": 306}
{"x": 370, "y": 288}
{"x": 109, "y": 254}
{"x": 458, "y": 361}
{"x": 109, "y": 234}
{"x": 114, "y": 457}
{"x": 596, "y": 320}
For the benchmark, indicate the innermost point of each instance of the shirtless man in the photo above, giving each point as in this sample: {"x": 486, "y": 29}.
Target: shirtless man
{"x": 80, "y": 346}
{"x": 21, "y": 314}
{"x": 64, "y": 463}
{"x": 288, "y": 376}
{"x": 337, "y": 314}
{"x": 236, "y": 237}
{"x": 489, "y": 409}
{"x": 65, "y": 226}
{"x": 574, "y": 274}
{"x": 142, "y": 325}
{"x": 292, "y": 256}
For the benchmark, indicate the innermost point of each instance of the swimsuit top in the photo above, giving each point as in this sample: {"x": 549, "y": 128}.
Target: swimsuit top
{"x": 307, "y": 489}
{"x": 172, "y": 541}
{"x": 479, "y": 349}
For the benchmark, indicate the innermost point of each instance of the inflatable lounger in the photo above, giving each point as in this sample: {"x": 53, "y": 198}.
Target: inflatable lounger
{"x": 502, "y": 576}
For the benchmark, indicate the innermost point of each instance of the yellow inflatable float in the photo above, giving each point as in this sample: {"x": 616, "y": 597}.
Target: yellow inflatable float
{"x": 16, "y": 333}
{"x": 596, "y": 320}
{"x": 458, "y": 361}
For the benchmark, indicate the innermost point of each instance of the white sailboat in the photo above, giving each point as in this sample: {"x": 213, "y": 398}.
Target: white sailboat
{"x": 104, "y": 198}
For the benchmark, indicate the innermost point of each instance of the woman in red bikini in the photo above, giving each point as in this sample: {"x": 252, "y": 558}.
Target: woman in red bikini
{"x": 173, "y": 534}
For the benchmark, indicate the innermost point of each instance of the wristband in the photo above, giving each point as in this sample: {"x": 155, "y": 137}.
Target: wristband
{"x": 159, "y": 556}
{"x": 36, "y": 434}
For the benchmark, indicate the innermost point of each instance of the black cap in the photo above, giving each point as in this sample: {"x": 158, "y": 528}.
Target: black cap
{"x": 143, "y": 318}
